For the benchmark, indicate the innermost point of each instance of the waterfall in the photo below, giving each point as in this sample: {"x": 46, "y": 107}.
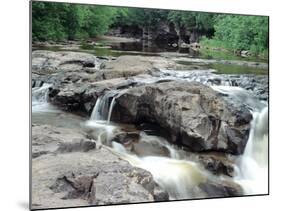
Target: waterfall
{"x": 40, "y": 98}
{"x": 110, "y": 109}
{"x": 253, "y": 165}
{"x": 95, "y": 114}
{"x": 99, "y": 123}
{"x": 177, "y": 172}
{"x": 103, "y": 107}
{"x": 40, "y": 94}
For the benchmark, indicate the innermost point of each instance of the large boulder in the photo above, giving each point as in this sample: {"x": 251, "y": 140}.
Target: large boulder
{"x": 74, "y": 173}
{"x": 195, "y": 115}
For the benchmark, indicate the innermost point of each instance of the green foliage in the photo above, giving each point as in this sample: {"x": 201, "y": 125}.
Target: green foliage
{"x": 61, "y": 21}
{"x": 46, "y": 22}
{"x": 97, "y": 19}
{"x": 199, "y": 20}
{"x": 139, "y": 17}
{"x": 240, "y": 33}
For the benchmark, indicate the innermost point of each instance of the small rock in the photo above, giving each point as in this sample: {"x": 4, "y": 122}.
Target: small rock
{"x": 159, "y": 194}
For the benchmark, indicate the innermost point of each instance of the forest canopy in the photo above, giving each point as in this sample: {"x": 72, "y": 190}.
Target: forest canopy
{"x": 62, "y": 21}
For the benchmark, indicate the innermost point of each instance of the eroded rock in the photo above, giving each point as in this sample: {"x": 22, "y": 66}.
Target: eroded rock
{"x": 195, "y": 115}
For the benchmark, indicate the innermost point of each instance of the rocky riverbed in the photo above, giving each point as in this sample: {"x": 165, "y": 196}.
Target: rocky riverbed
{"x": 129, "y": 120}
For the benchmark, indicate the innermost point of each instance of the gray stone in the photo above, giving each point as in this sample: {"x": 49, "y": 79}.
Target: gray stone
{"x": 46, "y": 62}
{"x": 78, "y": 178}
{"x": 221, "y": 189}
{"x": 195, "y": 115}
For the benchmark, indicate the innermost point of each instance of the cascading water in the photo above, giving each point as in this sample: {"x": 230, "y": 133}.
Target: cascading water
{"x": 206, "y": 77}
{"x": 177, "y": 177}
{"x": 110, "y": 109}
{"x": 175, "y": 172}
{"x": 103, "y": 107}
{"x": 252, "y": 166}
{"x": 40, "y": 98}
{"x": 178, "y": 174}
{"x": 95, "y": 113}
{"x": 99, "y": 121}
{"x": 40, "y": 94}
{"x": 44, "y": 112}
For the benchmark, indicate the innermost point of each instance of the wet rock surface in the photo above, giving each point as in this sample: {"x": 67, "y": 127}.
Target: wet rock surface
{"x": 217, "y": 163}
{"x": 75, "y": 174}
{"x": 222, "y": 189}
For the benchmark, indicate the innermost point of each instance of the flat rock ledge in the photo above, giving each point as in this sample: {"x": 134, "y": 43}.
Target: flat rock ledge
{"x": 67, "y": 166}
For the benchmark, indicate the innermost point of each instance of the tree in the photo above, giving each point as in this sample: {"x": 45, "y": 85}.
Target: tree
{"x": 193, "y": 20}
{"x": 242, "y": 32}
{"x": 46, "y": 21}
{"x": 61, "y": 21}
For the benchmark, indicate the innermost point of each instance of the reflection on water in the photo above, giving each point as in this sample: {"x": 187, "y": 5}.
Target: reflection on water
{"x": 225, "y": 68}
{"x": 237, "y": 69}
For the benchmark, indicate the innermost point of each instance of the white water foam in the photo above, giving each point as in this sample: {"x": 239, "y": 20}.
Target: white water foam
{"x": 40, "y": 99}
{"x": 253, "y": 165}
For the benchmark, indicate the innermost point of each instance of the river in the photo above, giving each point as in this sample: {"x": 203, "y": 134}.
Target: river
{"x": 175, "y": 170}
